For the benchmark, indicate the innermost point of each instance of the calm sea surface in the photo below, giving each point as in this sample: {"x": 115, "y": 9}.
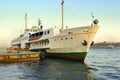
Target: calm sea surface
{"x": 100, "y": 64}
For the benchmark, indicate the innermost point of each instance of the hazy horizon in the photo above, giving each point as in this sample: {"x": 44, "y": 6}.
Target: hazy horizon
{"x": 77, "y": 13}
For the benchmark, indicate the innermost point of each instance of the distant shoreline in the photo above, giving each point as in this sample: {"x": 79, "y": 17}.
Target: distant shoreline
{"x": 106, "y": 45}
{"x": 103, "y": 48}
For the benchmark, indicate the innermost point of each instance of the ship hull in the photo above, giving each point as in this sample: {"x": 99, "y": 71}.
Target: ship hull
{"x": 76, "y": 56}
{"x": 72, "y": 44}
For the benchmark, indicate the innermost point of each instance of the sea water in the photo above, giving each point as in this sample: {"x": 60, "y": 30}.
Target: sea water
{"x": 100, "y": 64}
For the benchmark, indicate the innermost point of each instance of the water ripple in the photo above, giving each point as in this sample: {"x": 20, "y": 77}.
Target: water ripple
{"x": 100, "y": 64}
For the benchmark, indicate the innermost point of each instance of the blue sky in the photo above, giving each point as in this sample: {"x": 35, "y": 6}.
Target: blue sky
{"x": 77, "y": 13}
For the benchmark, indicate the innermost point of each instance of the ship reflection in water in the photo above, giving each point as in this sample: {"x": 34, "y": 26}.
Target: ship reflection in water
{"x": 49, "y": 69}
{"x": 100, "y": 64}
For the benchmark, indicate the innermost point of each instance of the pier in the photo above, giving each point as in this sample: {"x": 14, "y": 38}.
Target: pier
{"x": 22, "y": 56}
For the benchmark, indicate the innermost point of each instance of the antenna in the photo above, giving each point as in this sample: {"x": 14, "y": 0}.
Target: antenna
{"x": 39, "y": 22}
{"x": 25, "y": 21}
{"x": 62, "y": 14}
{"x": 92, "y": 17}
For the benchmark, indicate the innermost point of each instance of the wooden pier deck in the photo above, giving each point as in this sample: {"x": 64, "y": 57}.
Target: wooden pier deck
{"x": 22, "y": 56}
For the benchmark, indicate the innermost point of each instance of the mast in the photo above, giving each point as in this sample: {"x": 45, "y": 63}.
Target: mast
{"x": 39, "y": 22}
{"x": 62, "y": 14}
{"x": 25, "y": 21}
{"x": 92, "y": 17}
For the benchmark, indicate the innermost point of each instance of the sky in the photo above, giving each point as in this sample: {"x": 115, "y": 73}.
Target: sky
{"x": 77, "y": 13}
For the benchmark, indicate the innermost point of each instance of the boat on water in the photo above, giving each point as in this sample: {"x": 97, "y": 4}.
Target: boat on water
{"x": 70, "y": 43}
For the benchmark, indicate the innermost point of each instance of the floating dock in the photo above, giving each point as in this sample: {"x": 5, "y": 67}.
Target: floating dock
{"x": 22, "y": 56}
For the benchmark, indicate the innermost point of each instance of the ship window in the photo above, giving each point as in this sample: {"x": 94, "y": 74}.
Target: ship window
{"x": 30, "y": 36}
{"x": 41, "y": 33}
{"x": 45, "y": 32}
{"x": 33, "y": 35}
{"x": 66, "y": 38}
{"x": 55, "y": 40}
{"x": 48, "y": 42}
{"x": 42, "y": 42}
{"x": 61, "y": 38}
{"x": 37, "y": 34}
{"x": 45, "y": 42}
{"x": 48, "y": 32}
{"x": 71, "y": 37}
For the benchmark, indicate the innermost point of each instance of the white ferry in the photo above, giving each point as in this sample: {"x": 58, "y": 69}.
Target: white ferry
{"x": 70, "y": 43}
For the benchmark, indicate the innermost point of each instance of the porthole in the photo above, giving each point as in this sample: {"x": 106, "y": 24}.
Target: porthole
{"x": 66, "y": 38}
{"x": 85, "y": 30}
{"x": 70, "y": 32}
{"x": 71, "y": 37}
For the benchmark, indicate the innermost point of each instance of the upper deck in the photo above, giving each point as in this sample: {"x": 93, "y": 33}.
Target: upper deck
{"x": 43, "y": 34}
